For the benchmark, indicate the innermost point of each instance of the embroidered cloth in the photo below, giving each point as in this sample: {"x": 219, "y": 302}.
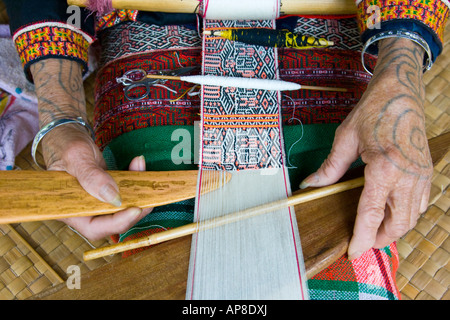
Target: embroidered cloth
{"x": 117, "y": 121}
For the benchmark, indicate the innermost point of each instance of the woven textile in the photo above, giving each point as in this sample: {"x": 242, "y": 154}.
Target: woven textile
{"x": 432, "y": 13}
{"x": 138, "y": 37}
{"x": 240, "y": 127}
{"x": 126, "y": 47}
{"x": 117, "y": 121}
{"x": 52, "y": 39}
{"x": 370, "y": 277}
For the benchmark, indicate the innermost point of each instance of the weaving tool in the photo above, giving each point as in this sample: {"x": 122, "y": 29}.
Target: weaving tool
{"x": 271, "y": 38}
{"x": 44, "y": 195}
{"x": 192, "y": 228}
{"x": 241, "y": 82}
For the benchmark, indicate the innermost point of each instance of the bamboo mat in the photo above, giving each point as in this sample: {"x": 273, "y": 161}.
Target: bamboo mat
{"x": 34, "y": 256}
{"x": 424, "y": 270}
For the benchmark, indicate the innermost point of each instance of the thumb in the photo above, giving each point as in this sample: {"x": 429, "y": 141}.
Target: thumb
{"x": 343, "y": 153}
{"x": 98, "y": 183}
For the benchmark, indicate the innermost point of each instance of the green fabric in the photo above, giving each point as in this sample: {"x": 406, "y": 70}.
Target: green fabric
{"x": 155, "y": 144}
{"x": 342, "y": 280}
{"x": 166, "y": 217}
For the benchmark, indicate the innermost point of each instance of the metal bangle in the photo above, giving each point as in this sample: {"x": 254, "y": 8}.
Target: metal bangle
{"x": 52, "y": 125}
{"x": 416, "y": 38}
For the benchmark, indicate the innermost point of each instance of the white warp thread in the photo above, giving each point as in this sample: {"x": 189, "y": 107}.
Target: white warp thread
{"x": 255, "y": 258}
{"x": 246, "y": 83}
{"x": 241, "y": 9}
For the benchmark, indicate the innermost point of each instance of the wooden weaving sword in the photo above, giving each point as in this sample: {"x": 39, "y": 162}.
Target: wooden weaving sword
{"x": 27, "y": 195}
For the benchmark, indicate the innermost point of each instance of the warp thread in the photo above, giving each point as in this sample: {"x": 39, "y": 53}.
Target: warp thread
{"x": 239, "y": 9}
{"x": 237, "y": 261}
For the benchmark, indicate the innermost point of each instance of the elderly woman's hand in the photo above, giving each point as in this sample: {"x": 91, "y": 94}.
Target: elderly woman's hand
{"x": 70, "y": 148}
{"x": 387, "y": 129}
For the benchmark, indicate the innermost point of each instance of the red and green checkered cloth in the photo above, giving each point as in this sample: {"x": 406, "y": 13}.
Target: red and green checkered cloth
{"x": 372, "y": 276}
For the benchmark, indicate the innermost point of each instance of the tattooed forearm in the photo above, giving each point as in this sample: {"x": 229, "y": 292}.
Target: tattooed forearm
{"x": 60, "y": 92}
{"x": 59, "y": 88}
{"x": 405, "y": 58}
{"x": 70, "y": 80}
{"x": 401, "y": 124}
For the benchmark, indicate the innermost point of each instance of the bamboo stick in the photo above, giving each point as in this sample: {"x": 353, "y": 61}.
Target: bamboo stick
{"x": 191, "y": 6}
{"x": 229, "y": 218}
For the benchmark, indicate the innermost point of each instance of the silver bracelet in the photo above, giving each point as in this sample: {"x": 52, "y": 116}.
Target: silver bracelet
{"x": 52, "y": 125}
{"x": 399, "y": 34}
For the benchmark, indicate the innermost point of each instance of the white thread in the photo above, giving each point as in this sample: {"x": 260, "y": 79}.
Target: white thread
{"x": 165, "y": 87}
{"x": 255, "y": 258}
{"x": 267, "y": 245}
{"x": 301, "y": 137}
{"x": 247, "y": 83}
{"x": 192, "y": 93}
{"x": 82, "y": 237}
{"x": 241, "y": 9}
{"x": 178, "y": 59}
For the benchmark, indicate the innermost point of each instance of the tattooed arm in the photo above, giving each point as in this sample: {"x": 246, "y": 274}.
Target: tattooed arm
{"x": 60, "y": 91}
{"x": 387, "y": 129}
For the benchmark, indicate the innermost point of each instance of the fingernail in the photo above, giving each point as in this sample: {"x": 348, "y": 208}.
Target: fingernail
{"x": 304, "y": 184}
{"x": 354, "y": 255}
{"x": 136, "y": 211}
{"x": 141, "y": 163}
{"x": 111, "y": 195}
{"x": 309, "y": 180}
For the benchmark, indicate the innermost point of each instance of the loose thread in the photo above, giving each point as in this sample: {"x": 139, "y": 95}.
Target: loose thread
{"x": 178, "y": 59}
{"x": 102, "y": 7}
{"x": 188, "y": 92}
{"x": 301, "y": 137}
{"x": 204, "y": 7}
{"x": 82, "y": 237}
{"x": 165, "y": 87}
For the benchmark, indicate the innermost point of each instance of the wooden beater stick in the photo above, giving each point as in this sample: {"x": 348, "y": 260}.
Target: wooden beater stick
{"x": 229, "y": 218}
{"x": 27, "y": 195}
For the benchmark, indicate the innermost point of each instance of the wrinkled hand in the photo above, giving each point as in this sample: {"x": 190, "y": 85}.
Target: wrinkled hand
{"x": 70, "y": 148}
{"x": 60, "y": 92}
{"x": 387, "y": 129}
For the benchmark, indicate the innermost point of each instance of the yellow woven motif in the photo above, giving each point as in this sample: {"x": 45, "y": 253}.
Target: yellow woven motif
{"x": 432, "y": 13}
{"x": 54, "y": 40}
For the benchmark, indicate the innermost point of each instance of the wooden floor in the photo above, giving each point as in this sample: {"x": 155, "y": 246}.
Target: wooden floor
{"x": 34, "y": 256}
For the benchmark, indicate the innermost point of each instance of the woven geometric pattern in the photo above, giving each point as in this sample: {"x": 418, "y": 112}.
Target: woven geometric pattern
{"x": 34, "y": 256}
